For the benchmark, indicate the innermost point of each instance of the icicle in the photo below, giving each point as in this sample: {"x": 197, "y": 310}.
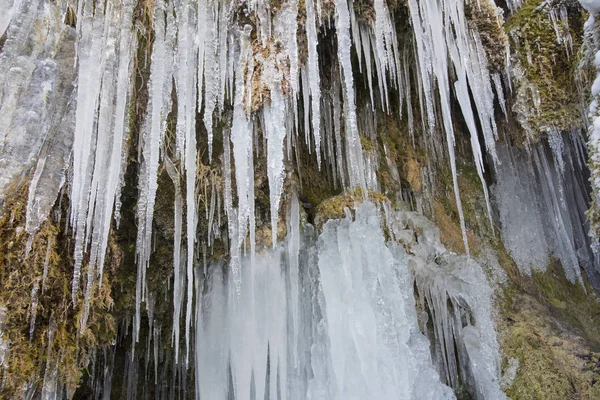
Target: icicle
{"x": 224, "y": 12}
{"x": 89, "y": 84}
{"x": 179, "y": 277}
{"x": 497, "y": 79}
{"x": 555, "y": 141}
{"x": 241, "y": 137}
{"x": 33, "y": 223}
{"x": 357, "y": 38}
{"x": 186, "y": 73}
{"x": 462, "y": 95}
{"x": 366, "y": 42}
{"x": 353, "y": 145}
{"x": 49, "y": 248}
{"x": 337, "y": 118}
{"x": 33, "y": 307}
{"x": 201, "y": 40}
{"x": 274, "y": 119}
{"x": 441, "y": 30}
{"x": 153, "y": 129}
{"x": 211, "y": 214}
{"x": 100, "y": 132}
{"x": 385, "y": 49}
{"x": 313, "y": 78}
{"x": 408, "y": 99}
{"x": 211, "y": 70}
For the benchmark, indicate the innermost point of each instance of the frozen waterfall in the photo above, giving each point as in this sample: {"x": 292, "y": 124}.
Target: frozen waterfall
{"x": 336, "y": 318}
{"x": 203, "y": 117}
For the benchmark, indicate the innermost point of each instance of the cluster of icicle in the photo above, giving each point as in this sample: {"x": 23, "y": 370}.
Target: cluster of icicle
{"x": 592, "y": 37}
{"x": 541, "y": 198}
{"x": 337, "y": 318}
{"x": 202, "y": 54}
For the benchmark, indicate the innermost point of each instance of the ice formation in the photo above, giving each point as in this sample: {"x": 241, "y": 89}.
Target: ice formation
{"x": 352, "y": 332}
{"x": 591, "y": 36}
{"x": 36, "y": 102}
{"x": 340, "y": 319}
{"x": 105, "y": 54}
{"x": 545, "y": 192}
{"x": 202, "y": 62}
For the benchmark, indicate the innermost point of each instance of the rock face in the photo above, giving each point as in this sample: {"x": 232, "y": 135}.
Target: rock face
{"x": 182, "y": 187}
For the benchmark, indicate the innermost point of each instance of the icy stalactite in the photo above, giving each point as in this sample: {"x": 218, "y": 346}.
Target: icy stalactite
{"x": 153, "y": 130}
{"x": 314, "y": 78}
{"x": 209, "y": 51}
{"x": 275, "y": 132}
{"x": 555, "y": 204}
{"x": 433, "y": 49}
{"x": 560, "y": 21}
{"x": 241, "y": 137}
{"x": 462, "y": 94}
{"x": 353, "y": 146}
{"x": 178, "y": 273}
{"x": 386, "y": 51}
{"x": 290, "y": 14}
{"x": 33, "y": 307}
{"x": 497, "y": 79}
{"x": 185, "y": 81}
{"x": 555, "y": 140}
{"x": 50, "y": 387}
{"x": 89, "y": 84}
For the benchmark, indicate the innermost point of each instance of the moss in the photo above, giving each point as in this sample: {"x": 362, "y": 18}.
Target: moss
{"x": 553, "y": 362}
{"x": 365, "y": 11}
{"x": 55, "y": 316}
{"x": 334, "y": 207}
{"x": 547, "y": 93}
{"x": 484, "y": 16}
{"x": 367, "y": 145}
{"x": 393, "y": 137}
{"x": 551, "y": 327}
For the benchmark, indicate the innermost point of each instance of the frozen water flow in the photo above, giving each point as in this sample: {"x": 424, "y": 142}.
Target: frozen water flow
{"x": 352, "y": 330}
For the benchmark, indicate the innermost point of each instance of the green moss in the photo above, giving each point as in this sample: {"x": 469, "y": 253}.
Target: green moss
{"x": 551, "y": 327}
{"x": 333, "y": 207}
{"x": 548, "y": 95}
{"x": 56, "y": 316}
{"x": 484, "y": 16}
